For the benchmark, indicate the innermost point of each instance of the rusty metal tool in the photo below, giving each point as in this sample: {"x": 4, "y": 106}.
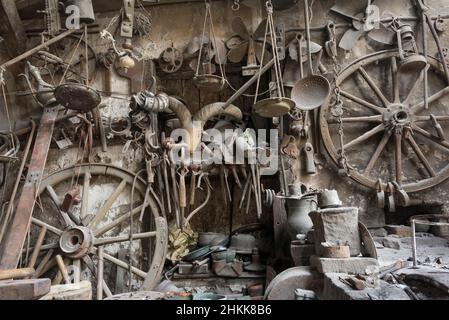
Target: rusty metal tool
{"x": 182, "y": 172}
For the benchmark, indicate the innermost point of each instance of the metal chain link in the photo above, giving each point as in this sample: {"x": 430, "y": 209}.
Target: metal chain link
{"x": 337, "y": 112}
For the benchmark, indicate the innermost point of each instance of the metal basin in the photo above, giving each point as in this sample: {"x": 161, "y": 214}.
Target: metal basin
{"x": 311, "y": 92}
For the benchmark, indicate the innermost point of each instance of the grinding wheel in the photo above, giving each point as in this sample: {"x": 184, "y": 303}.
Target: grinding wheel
{"x": 283, "y": 286}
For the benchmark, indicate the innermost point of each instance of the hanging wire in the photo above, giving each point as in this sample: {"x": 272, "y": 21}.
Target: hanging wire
{"x": 261, "y": 62}
{"x": 277, "y": 66}
{"x": 214, "y": 39}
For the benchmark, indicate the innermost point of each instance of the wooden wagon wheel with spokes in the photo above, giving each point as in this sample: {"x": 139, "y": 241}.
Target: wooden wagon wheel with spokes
{"x": 389, "y": 134}
{"x": 91, "y": 238}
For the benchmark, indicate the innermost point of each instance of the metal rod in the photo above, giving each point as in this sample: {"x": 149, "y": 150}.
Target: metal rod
{"x": 248, "y": 84}
{"x": 307, "y": 24}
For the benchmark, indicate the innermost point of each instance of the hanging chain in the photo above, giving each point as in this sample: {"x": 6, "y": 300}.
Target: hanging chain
{"x": 337, "y": 112}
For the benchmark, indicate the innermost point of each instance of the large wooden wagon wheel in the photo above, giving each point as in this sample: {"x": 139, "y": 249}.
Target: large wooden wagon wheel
{"x": 389, "y": 135}
{"x": 90, "y": 239}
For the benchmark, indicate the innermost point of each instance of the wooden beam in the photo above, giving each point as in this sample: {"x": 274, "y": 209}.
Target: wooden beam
{"x": 30, "y": 289}
{"x": 15, "y": 238}
{"x": 11, "y": 28}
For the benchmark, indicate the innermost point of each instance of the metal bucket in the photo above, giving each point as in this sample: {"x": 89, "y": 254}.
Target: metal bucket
{"x": 298, "y": 214}
{"x": 87, "y": 14}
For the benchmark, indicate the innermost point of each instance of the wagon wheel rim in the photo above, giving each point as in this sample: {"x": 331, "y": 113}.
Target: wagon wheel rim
{"x": 399, "y": 134}
{"x": 89, "y": 235}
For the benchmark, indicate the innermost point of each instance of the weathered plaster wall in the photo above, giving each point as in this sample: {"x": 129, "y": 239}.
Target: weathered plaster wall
{"x": 177, "y": 24}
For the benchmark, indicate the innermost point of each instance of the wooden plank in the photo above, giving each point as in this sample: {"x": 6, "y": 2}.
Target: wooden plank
{"x": 13, "y": 242}
{"x": 74, "y": 291}
{"x": 29, "y": 289}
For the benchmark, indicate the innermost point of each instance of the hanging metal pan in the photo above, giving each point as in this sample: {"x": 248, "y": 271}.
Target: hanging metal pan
{"x": 312, "y": 91}
{"x": 76, "y": 96}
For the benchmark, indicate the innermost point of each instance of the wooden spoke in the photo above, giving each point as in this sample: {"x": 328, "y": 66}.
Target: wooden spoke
{"x": 124, "y": 265}
{"x": 90, "y": 264}
{"x": 365, "y": 136}
{"x": 430, "y": 136}
{"x": 85, "y": 198}
{"x": 395, "y": 80}
{"x": 100, "y": 268}
{"x": 52, "y": 193}
{"x": 107, "y": 206}
{"x": 427, "y": 118}
{"x": 49, "y": 227}
{"x": 57, "y": 202}
{"x": 77, "y": 270}
{"x": 41, "y": 268}
{"x": 98, "y": 232}
{"x": 361, "y": 102}
{"x": 37, "y": 247}
{"x": 380, "y": 147}
{"x": 373, "y": 86}
{"x": 398, "y": 157}
{"x": 420, "y": 155}
{"x": 418, "y": 107}
{"x": 44, "y": 247}
{"x": 376, "y": 119}
{"x": 415, "y": 87}
{"x": 137, "y": 236}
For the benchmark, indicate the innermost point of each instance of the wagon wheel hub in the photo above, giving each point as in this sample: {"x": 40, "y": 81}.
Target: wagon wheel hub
{"x": 397, "y": 115}
{"x": 76, "y": 242}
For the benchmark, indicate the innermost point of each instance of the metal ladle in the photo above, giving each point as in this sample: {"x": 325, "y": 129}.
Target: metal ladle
{"x": 312, "y": 91}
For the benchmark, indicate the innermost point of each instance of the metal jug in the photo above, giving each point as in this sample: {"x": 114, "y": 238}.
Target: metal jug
{"x": 298, "y": 214}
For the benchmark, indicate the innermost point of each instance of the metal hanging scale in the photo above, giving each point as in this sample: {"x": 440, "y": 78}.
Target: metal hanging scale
{"x": 273, "y": 106}
{"x": 208, "y": 81}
